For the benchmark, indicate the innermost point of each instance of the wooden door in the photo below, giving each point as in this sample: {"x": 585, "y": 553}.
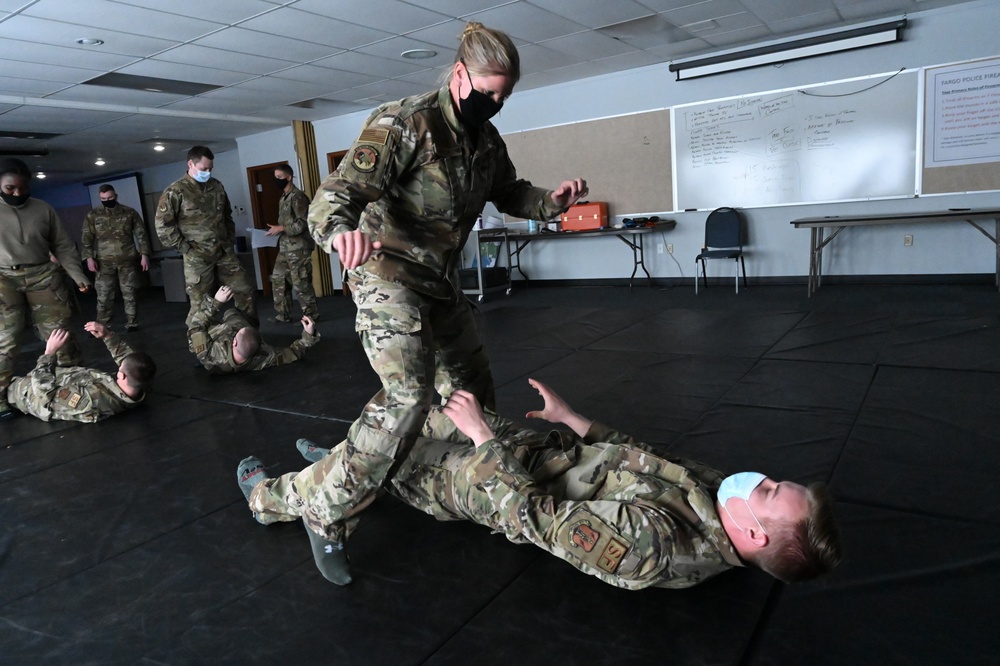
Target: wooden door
{"x": 265, "y": 197}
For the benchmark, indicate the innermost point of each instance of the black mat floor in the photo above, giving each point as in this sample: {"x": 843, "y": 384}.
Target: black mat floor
{"x": 128, "y": 541}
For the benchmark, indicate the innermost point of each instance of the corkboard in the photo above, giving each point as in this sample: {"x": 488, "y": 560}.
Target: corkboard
{"x": 625, "y": 159}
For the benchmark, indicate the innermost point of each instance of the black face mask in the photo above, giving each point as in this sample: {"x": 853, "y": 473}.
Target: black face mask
{"x": 110, "y": 204}
{"x": 12, "y": 200}
{"x": 281, "y": 183}
{"x": 477, "y": 108}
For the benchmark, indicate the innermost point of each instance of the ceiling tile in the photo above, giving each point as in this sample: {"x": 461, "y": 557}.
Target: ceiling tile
{"x": 431, "y": 79}
{"x": 527, "y": 22}
{"x": 48, "y": 119}
{"x": 588, "y": 45}
{"x": 42, "y": 72}
{"x": 804, "y": 23}
{"x": 456, "y": 8}
{"x": 42, "y": 31}
{"x": 193, "y": 54}
{"x": 265, "y": 45}
{"x": 315, "y": 28}
{"x": 386, "y": 15}
{"x": 873, "y": 9}
{"x": 124, "y": 18}
{"x": 595, "y": 13}
{"x": 444, "y": 35}
{"x": 333, "y": 79}
{"x": 57, "y": 55}
{"x": 352, "y": 61}
{"x": 713, "y": 9}
{"x": 386, "y": 91}
{"x": 536, "y": 58}
{"x": 278, "y": 92}
{"x": 392, "y": 49}
{"x": 27, "y": 87}
{"x": 228, "y": 12}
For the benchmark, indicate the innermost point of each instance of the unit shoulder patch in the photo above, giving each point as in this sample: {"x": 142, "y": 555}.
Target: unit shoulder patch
{"x": 364, "y": 158}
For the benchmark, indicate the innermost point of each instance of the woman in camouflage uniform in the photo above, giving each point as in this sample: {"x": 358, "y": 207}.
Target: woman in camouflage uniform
{"x": 398, "y": 212}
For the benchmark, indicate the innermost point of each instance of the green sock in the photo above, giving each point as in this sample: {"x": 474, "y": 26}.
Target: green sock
{"x": 310, "y": 451}
{"x": 249, "y": 474}
{"x": 331, "y": 560}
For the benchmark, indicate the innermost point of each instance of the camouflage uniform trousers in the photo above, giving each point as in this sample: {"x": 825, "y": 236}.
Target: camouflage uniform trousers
{"x": 415, "y": 344}
{"x": 295, "y": 268}
{"x": 42, "y": 291}
{"x": 109, "y": 275}
{"x": 204, "y": 275}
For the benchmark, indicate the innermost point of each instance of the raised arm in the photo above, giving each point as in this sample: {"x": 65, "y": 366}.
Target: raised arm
{"x": 556, "y": 410}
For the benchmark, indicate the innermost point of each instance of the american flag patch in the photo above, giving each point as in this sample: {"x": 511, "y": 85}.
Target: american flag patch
{"x": 370, "y": 135}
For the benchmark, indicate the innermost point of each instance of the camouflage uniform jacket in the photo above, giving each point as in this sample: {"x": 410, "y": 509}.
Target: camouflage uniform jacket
{"x": 658, "y": 509}
{"x": 192, "y": 216}
{"x": 77, "y": 393}
{"x": 111, "y": 234}
{"x": 212, "y": 342}
{"x": 414, "y": 181}
{"x": 685, "y": 540}
{"x": 28, "y": 233}
{"x": 293, "y": 213}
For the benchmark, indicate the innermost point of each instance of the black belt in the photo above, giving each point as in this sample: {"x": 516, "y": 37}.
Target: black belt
{"x": 16, "y": 267}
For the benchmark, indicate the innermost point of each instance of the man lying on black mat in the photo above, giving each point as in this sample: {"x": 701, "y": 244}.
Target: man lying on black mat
{"x": 598, "y": 499}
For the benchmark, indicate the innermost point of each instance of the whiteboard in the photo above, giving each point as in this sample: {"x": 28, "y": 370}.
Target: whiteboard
{"x": 845, "y": 140}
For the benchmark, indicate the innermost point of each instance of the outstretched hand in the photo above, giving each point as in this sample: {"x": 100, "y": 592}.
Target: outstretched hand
{"x": 308, "y": 325}
{"x": 354, "y": 248}
{"x": 464, "y": 410}
{"x": 557, "y": 410}
{"x": 57, "y": 340}
{"x": 97, "y": 329}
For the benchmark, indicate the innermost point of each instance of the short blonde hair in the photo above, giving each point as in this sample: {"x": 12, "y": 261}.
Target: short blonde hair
{"x": 487, "y": 52}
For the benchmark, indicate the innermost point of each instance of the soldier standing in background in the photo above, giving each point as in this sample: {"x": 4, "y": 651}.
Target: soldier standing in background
{"x": 194, "y": 217}
{"x": 110, "y": 236}
{"x": 30, "y": 283}
{"x": 295, "y": 247}
{"x": 83, "y": 394}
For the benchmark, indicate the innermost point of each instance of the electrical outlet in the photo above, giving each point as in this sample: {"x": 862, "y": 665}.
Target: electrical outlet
{"x": 670, "y": 248}
{"x": 908, "y": 240}
{"x": 659, "y": 248}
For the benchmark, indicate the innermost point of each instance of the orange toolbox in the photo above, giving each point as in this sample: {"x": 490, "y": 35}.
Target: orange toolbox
{"x": 585, "y": 216}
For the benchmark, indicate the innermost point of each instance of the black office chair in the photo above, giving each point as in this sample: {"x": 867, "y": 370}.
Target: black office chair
{"x": 723, "y": 240}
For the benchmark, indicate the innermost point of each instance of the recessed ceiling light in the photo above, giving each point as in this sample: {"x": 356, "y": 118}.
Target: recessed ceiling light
{"x": 99, "y": 162}
{"x": 89, "y": 41}
{"x": 40, "y": 175}
{"x": 159, "y": 147}
{"x": 418, "y": 54}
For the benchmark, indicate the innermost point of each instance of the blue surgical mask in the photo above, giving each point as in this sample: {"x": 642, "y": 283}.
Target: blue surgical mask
{"x": 202, "y": 176}
{"x": 740, "y": 485}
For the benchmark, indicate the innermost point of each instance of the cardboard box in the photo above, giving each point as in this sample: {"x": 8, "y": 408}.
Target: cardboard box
{"x": 585, "y": 216}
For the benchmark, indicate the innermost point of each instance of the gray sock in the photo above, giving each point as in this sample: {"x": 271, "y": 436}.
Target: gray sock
{"x": 331, "y": 560}
{"x": 249, "y": 474}
{"x": 310, "y": 451}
